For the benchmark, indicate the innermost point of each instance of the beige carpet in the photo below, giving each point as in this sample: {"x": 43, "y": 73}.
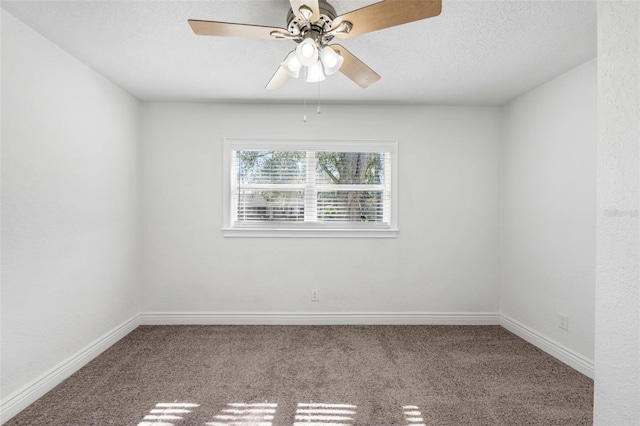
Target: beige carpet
{"x": 318, "y": 375}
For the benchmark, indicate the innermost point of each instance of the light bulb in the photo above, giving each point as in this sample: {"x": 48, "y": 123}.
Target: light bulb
{"x": 331, "y": 60}
{"x": 307, "y": 52}
{"x": 315, "y": 73}
{"x": 292, "y": 65}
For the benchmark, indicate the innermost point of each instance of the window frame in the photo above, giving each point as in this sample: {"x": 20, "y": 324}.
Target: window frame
{"x": 308, "y": 229}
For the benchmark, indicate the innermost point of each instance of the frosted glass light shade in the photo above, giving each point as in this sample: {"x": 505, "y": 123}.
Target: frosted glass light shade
{"x": 315, "y": 72}
{"x": 307, "y": 52}
{"x": 291, "y": 64}
{"x": 331, "y": 60}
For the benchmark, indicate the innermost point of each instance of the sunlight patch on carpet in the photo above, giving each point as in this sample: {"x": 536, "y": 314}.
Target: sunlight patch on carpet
{"x": 321, "y": 414}
{"x": 165, "y": 413}
{"x": 413, "y": 416}
{"x": 246, "y": 414}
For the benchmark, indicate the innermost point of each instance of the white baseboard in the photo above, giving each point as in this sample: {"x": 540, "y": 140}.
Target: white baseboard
{"x": 23, "y": 397}
{"x": 571, "y": 358}
{"x": 318, "y": 318}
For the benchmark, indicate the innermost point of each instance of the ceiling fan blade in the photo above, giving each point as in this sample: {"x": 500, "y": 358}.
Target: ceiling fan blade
{"x": 213, "y": 28}
{"x": 387, "y": 13}
{"x": 278, "y": 80}
{"x": 312, "y": 5}
{"x": 355, "y": 69}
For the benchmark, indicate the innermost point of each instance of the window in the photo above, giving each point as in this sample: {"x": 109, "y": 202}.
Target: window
{"x": 310, "y": 188}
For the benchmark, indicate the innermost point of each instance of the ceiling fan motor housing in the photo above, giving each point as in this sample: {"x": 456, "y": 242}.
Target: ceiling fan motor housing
{"x": 315, "y": 30}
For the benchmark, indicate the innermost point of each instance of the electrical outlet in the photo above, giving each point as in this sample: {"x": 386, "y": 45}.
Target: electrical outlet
{"x": 563, "y": 322}
{"x": 315, "y": 295}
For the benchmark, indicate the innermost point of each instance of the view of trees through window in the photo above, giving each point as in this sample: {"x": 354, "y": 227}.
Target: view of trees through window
{"x": 296, "y": 186}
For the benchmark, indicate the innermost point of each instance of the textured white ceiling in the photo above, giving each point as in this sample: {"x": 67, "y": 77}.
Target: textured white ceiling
{"x": 475, "y": 52}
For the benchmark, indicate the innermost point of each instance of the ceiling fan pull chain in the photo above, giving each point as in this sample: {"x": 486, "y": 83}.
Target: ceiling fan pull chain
{"x": 304, "y": 109}
{"x": 318, "y": 99}
{"x": 304, "y": 105}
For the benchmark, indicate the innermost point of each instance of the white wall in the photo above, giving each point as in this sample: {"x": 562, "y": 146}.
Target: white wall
{"x": 444, "y": 259}
{"x": 69, "y": 209}
{"x": 617, "y": 380}
{"x": 548, "y": 204}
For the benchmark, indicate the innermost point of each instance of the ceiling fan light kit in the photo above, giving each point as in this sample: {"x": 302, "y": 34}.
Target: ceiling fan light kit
{"x": 319, "y": 64}
{"x": 313, "y": 24}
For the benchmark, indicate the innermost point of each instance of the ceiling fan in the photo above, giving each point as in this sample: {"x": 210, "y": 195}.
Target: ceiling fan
{"x": 313, "y": 24}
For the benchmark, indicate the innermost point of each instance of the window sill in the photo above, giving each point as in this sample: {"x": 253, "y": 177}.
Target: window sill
{"x": 308, "y": 233}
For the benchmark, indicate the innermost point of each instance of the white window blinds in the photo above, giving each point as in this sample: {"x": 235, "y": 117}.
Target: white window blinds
{"x": 310, "y": 185}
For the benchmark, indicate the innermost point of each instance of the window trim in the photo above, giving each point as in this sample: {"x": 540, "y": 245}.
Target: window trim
{"x": 275, "y": 230}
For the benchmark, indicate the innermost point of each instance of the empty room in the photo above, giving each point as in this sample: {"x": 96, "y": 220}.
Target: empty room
{"x": 320, "y": 212}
